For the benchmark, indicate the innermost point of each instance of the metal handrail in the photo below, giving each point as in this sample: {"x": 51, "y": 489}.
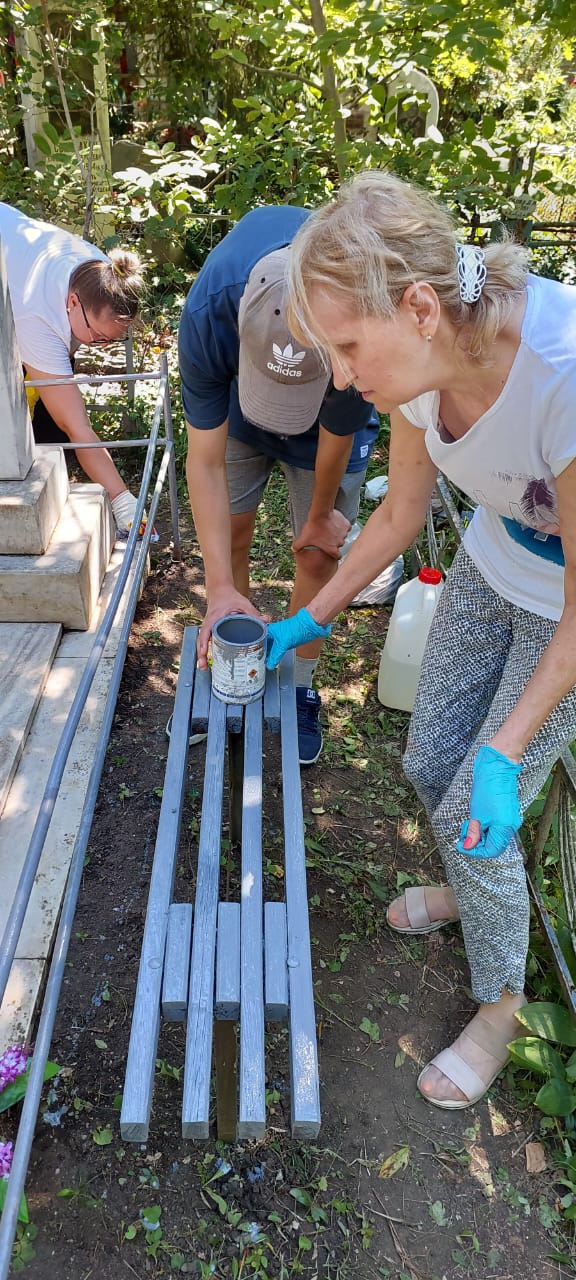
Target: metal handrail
{"x": 93, "y": 378}
{"x": 9, "y": 1218}
{"x": 27, "y": 876}
{"x": 131, "y": 379}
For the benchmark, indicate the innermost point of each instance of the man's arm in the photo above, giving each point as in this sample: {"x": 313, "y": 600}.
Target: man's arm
{"x": 392, "y": 527}
{"x": 208, "y": 490}
{"x": 65, "y": 405}
{"x": 388, "y": 532}
{"x": 326, "y": 527}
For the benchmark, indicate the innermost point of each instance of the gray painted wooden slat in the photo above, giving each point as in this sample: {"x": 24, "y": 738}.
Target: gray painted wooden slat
{"x": 142, "y": 1050}
{"x": 227, "y": 1002}
{"x": 275, "y": 967}
{"x": 305, "y": 1098}
{"x": 177, "y": 962}
{"x": 252, "y": 1112}
{"x": 234, "y": 718}
{"x": 272, "y": 702}
{"x": 196, "y": 1101}
{"x": 201, "y": 701}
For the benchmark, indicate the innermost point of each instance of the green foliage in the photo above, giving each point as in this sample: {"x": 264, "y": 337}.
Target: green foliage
{"x": 23, "y": 1250}
{"x": 249, "y": 81}
{"x": 58, "y": 185}
{"x": 160, "y": 201}
{"x": 549, "y": 1022}
{"x": 9, "y": 1097}
{"x": 14, "y": 1093}
{"x": 23, "y": 1215}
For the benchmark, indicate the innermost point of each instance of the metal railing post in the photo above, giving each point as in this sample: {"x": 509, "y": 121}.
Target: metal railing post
{"x": 172, "y": 476}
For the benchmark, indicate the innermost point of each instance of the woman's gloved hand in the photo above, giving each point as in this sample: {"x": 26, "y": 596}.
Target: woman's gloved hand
{"x": 291, "y": 633}
{"x": 124, "y": 509}
{"x": 493, "y": 803}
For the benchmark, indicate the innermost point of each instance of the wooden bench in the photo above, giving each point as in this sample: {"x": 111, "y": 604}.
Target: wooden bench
{"x": 222, "y": 965}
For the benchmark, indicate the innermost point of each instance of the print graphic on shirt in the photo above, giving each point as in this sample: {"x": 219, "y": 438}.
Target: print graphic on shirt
{"x": 286, "y": 361}
{"x": 539, "y": 506}
{"x": 536, "y": 505}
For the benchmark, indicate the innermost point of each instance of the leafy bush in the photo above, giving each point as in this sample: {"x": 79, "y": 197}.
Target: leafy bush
{"x": 551, "y": 1025}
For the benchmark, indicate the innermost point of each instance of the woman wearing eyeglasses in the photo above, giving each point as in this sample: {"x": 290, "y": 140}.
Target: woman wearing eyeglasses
{"x": 66, "y": 293}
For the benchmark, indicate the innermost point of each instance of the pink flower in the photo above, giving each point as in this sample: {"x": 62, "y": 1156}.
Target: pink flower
{"x": 13, "y": 1063}
{"x": 6, "y": 1153}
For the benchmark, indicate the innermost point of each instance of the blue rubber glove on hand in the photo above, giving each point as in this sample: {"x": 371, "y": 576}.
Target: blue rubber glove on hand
{"x": 494, "y": 803}
{"x": 291, "y": 633}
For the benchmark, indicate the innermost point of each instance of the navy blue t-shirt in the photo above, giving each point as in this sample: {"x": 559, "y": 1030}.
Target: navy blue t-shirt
{"x": 208, "y": 347}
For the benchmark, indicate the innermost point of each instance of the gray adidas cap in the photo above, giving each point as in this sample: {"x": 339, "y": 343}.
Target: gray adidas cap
{"x": 281, "y": 385}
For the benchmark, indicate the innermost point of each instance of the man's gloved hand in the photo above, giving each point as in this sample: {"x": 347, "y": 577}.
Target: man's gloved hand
{"x": 124, "y": 509}
{"x": 493, "y": 803}
{"x": 292, "y": 632}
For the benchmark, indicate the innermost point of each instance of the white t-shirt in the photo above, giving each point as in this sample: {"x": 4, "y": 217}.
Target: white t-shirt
{"x": 39, "y": 262}
{"x": 508, "y": 461}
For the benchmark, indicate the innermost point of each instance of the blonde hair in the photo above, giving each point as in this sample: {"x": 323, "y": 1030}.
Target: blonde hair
{"x": 380, "y": 235}
{"x": 115, "y": 282}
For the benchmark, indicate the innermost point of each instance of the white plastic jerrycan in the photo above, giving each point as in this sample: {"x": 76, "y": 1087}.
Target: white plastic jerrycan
{"x": 407, "y": 633}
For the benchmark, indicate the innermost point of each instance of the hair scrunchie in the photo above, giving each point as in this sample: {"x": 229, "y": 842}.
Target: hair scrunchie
{"x": 471, "y": 271}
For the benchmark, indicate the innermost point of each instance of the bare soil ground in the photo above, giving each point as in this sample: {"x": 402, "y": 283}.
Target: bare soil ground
{"x": 392, "y": 1187}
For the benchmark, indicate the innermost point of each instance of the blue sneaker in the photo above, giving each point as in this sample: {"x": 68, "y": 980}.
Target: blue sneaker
{"x": 308, "y": 704}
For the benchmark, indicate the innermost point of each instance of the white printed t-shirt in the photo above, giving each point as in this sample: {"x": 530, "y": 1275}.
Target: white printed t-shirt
{"x": 508, "y": 461}
{"x": 39, "y": 261}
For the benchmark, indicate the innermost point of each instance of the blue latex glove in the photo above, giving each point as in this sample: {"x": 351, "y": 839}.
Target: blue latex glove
{"x": 494, "y": 802}
{"x": 291, "y": 633}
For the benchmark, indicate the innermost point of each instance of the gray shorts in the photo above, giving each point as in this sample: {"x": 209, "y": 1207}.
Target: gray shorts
{"x": 248, "y": 473}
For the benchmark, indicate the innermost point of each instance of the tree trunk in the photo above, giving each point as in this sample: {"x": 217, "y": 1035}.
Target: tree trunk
{"x": 331, "y": 89}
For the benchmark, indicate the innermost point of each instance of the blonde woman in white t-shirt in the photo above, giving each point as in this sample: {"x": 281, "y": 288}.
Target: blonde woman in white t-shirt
{"x": 475, "y": 361}
{"x": 66, "y": 293}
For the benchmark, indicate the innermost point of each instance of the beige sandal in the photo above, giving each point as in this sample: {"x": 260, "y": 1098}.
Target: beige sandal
{"x": 493, "y": 1040}
{"x": 414, "y": 899}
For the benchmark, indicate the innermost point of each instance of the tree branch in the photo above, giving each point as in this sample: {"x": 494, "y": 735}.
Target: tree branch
{"x": 277, "y": 71}
{"x": 331, "y": 88}
{"x": 53, "y": 54}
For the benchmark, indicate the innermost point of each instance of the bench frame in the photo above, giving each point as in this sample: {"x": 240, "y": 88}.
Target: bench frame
{"x": 219, "y": 963}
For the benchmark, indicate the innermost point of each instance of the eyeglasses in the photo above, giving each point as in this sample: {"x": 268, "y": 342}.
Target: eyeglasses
{"x": 94, "y": 339}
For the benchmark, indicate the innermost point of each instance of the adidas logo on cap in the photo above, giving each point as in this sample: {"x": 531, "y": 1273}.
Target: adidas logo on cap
{"x": 286, "y": 361}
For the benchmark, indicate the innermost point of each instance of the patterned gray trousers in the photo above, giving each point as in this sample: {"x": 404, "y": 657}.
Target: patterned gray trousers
{"x": 480, "y": 654}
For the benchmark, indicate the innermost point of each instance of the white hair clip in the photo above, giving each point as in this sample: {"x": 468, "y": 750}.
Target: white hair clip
{"x": 471, "y": 271}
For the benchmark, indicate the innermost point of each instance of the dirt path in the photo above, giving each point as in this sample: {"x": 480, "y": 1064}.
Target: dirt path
{"x": 392, "y": 1188}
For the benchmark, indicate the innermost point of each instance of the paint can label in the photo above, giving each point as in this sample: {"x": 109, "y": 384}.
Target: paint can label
{"x": 238, "y": 658}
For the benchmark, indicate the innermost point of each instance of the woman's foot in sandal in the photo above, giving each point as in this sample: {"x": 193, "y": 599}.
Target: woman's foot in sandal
{"x": 459, "y": 1077}
{"x": 423, "y": 909}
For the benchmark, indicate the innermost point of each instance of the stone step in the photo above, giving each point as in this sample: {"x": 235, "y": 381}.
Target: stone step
{"x": 30, "y": 509}
{"x": 25, "y": 796}
{"x": 63, "y": 584}
{"x": 26, "y": 653}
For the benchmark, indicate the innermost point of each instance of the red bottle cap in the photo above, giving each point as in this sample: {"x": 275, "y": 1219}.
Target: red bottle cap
{"x": 430, "y": 575}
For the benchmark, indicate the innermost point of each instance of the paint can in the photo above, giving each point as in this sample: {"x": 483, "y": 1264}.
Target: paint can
{"x": 238, "y": 658}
